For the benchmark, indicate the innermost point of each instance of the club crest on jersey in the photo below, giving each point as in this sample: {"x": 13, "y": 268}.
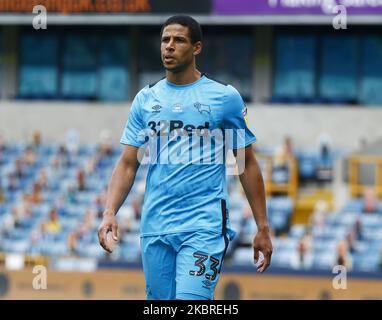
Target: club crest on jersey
{"x": 157, "y": 108}
{"x": 177, "y": 107}
{"x": 202, "y": 107}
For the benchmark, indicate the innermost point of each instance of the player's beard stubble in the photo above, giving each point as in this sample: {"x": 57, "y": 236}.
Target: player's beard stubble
{"x": 177, "y": 67}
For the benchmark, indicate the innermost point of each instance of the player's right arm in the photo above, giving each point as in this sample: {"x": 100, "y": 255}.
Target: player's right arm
{"x": 124, "y": 172}
{"x": 119, "y": 187}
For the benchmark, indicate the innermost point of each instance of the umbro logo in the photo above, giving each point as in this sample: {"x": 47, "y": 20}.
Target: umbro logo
{"x": 157, "y": 108}
{"x": 207, "y": 284}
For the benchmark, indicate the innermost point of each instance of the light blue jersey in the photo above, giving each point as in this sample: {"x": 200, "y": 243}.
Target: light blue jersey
{"x": 186, "y": 183}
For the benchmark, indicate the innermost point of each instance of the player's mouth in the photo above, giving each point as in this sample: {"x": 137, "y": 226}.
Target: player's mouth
{"x": 168, "y": 59}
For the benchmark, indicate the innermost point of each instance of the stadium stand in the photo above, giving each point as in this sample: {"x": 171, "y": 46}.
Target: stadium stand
{"x": 52, "y": 198}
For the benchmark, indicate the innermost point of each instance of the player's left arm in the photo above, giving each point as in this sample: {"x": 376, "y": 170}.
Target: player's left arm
{"x": 235, "y": 120}
{"x": 253, "y": 185}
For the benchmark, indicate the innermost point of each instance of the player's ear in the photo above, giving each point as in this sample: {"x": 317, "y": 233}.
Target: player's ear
{"x": 197, "y": 47}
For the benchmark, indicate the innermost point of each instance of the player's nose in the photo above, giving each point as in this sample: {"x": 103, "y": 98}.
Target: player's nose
{"x": 170, "y": 44}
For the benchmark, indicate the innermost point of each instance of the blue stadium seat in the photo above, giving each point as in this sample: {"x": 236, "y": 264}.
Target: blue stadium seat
{"x": 325, "y": 260}
{"x": 79, "y": 74}
{"x": 297, "y": 231}
{"x": 295, "y": 68}
{"x": 58, "y": 248}
{"x": 307, "y": 165}
{"x": 38, "y": 66}
{"x": 113, "y": 70}
{"x": 371, "y": 69}
{"x": 355, "y": 205}
{"x": 242, "y": 256}
{"x": 16, "y": 246}
{"x": 338, "y": 78}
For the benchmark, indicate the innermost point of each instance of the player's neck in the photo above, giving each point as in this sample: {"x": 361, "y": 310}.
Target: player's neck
{"x": 185, "y": 77}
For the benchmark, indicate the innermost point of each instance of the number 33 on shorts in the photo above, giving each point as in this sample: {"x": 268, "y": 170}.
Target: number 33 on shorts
{"x": 200, "y": 260}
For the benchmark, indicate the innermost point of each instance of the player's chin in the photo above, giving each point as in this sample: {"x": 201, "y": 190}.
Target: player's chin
{"x": 171, "y": 67}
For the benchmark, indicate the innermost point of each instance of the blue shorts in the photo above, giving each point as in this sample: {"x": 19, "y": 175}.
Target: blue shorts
{"x": 183, "y": 266}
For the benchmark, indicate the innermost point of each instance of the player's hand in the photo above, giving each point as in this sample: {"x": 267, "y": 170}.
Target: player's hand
{"x": 262, "y": 243}
{"x": 108, "y": 224}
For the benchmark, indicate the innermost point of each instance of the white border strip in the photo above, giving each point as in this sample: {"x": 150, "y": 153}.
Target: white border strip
{"x": 151, "y": 19}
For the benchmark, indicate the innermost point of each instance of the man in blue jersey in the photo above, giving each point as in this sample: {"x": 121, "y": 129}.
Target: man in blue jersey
{"x": 187, "y": 122}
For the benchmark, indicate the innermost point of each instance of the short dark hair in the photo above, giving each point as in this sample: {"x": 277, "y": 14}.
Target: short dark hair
{"x": 193, "y": 26}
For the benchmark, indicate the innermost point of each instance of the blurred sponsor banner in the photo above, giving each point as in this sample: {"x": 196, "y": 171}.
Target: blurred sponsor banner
{"x": 208, "y": 7}
{"x": 295, "y": 287}
{"x": 130, "y": 284}
{"x": 103, "y": 284}
{"x": 295, "y": 7}
{"x": 107, "y": 6}
{"x": 220, "y": 7}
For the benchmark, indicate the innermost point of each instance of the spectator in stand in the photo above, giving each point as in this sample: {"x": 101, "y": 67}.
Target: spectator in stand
{"x": 99, "y": 205}
{"x": 36, "y": 196}
{"x": 81, "y": 180}
{"x": 343, "y": 255}
{"x": 19, "y": 170}
{"x": 380, "y": 260}
{"x": 2, "y": 195}
{"x": 54, "y": 172}
{"x": 63, "y": 156}
{"x": 3, "y": 144}
{"x": 38, "y": 237}
{"x": 53, "y": 226}
{"x": 88, "y": 223}
{"x": 36, "y": 140}
{"x": 22, "y": 210}
{"x": 72, "y": 142}
{"x": 60, "y": 206}
{"x": 370, "y": 201}
{"x": 350, "y": 241}
{"x": 106, "y": 143}
{"x": 12, "y": 183}
{"x": 2, "y": 148}
{"x": 324, "y": 145}
{"x": 130, "y": 216}
{"x": 358, "y": 232}
{"x": 302, "y": 257}
{"x": 73, "y": 243}
{"x": 319, "y": 216}
{"x": 84, "y": 230}
{"x": 7, "y": 223}
{"x": 324, "y": 170}
{"x": 29, "y": 157}
{"x": 70, "y": 194}
{"x": 288, "y": 146}
{"x": 91, "y": 165}
{"x": 42, "y": 179}
{"x": 282, "y": 155}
